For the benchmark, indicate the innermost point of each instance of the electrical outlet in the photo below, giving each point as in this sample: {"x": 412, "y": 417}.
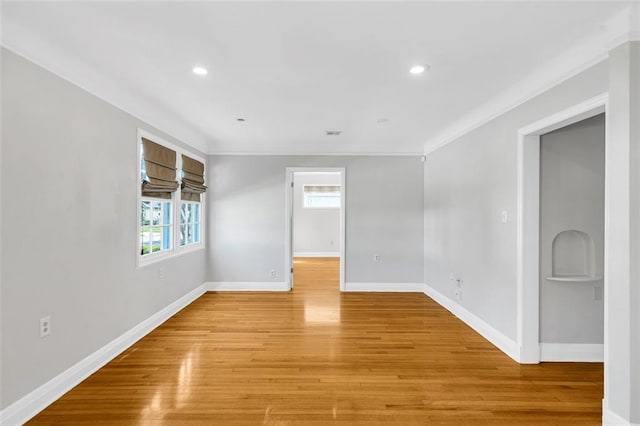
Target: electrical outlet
{"x": 376, "y": 258}
{"x": 45, "y": 326}
{"x": 272, "y": 273}
{"x": 161, "y": 273}
{"x": 459, "y": 283}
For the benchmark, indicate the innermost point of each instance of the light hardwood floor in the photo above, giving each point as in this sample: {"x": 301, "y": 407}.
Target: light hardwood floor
{"x": 315, "y": 356}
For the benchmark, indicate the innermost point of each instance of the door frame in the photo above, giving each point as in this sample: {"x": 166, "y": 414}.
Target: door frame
{"x": 288, "y": 249}
{"x": 528, "y": 230}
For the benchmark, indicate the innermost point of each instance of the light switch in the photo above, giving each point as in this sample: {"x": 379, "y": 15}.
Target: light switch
{"x": 504, "y": 216}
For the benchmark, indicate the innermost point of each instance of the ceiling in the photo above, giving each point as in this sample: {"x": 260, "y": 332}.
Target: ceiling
{"x": 294, "y": 70}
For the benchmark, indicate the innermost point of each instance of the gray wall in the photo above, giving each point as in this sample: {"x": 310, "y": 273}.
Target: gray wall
{"x": 383, "y": 215}
{"x": 468, "y": 183}
{"x": 314, "y": 230}
{"x": 572, "y": 198}
{"x": 69, "y": 223}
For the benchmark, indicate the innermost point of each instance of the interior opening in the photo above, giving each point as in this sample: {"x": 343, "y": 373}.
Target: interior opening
{"x": 315, "y": 230}
{"x": 572, "y": 191}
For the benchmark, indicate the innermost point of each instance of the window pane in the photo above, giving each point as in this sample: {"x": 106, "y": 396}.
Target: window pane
{"x": 183, "y": 234}
{"x": 183, "y": 213}
{"x": 189, "y": 223}
{"x": 166, "y": 220}
{"x": 196, "y": 212}
{"x": 166, "y": 237}
{"x": 156, "y": 213}
{"x": 322, "y": 199}
{"x": 196, "y": 233}
{"x": 145, "y": 240}
{"x": 145, "y": 213}
{"x": 156, "y": 238}
{"x": 190, "y": 237}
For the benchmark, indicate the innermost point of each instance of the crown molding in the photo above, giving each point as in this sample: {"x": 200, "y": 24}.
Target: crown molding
{"x": 621, "y": 28}
{"x": 320, "y": 154}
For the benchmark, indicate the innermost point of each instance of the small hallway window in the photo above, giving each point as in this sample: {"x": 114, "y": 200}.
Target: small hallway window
{"x": 321, "y": 196}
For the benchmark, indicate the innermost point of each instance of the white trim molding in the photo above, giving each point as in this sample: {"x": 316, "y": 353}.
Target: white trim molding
{"x": 572, "y": 352}
{"x": 37, "y": 400}
{"x": 495, "y": 337}
{"x": 319, "y": 154}
{"x": 528, "y": 207}
{"x": 609, "y": 418}
{"x": 621, "y": 28}
{"x": 288, "y": 218}
{"x": 385, "y": 287}
{"x": 246, "y": 286}
{"x": 316, "y": 254}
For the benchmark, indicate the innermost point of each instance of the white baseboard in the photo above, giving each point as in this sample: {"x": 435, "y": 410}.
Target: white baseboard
{"x": 316, "y": 254}
{"x": 494, "y": 336}
{"x": 609, "y": 418}
{"x": 246, "y": 286}
{"x": 37, "y": 400}
{"x": 385, "y": 287}
{"x": 571, "y": 352}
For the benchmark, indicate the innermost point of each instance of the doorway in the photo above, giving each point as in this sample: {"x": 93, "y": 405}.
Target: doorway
{"x": 528, "y": 225}
{"x": 572, "y": 185}
{"x": 315, "y": 217}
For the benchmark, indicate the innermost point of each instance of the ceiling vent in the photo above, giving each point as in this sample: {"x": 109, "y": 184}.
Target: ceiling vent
{"x": 333, "y": 132}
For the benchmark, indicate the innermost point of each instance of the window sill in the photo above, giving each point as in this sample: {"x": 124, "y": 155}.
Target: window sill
{"x": 146, "y": 261}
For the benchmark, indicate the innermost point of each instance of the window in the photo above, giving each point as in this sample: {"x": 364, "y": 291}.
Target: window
{"x": 189, "y": 223}
{"x": 166, "y": 194}
{"x": 321, "y": 196}
{"x": 192, "y": 188}
{"x": 155, "y": 226}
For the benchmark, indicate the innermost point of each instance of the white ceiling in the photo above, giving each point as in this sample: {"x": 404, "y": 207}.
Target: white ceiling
{"x": 296, "y": 69}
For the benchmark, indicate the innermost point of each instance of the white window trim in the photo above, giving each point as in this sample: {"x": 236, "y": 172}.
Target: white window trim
{"x": 176, "y": 248}
{"x": 320, "y": 207}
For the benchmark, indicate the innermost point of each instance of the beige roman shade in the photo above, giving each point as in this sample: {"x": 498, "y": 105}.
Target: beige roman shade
{"x": 192, "y": 179}
{"x": 160, "y": 169}
{"x": 321, "y": 188}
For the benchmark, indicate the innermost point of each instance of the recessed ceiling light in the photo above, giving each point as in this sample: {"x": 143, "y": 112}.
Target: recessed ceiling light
{"x": 241, "y": 119}
{"x": 333, "y": 132}
{"x": 418, "y": 69}
{"x": 200, "y": 71}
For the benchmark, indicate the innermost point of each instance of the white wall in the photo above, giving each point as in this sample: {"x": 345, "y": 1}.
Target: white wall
{"x": 69, "y": 243}
{"x": 468, "y": 183}
{"x": 315, "y": 231}
{"x": 622, "y": 297}
{"x": 634, "y": 287}
{"x": 383, "y": 215}
{"x": 572, "y": 198}
{"x": 1, "y": 90}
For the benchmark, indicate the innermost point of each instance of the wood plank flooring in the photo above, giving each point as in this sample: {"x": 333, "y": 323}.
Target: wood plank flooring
{"x": 315, "y": 356}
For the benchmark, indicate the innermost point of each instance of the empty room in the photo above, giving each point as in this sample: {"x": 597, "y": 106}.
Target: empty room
{"x": 320, "y": 212}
